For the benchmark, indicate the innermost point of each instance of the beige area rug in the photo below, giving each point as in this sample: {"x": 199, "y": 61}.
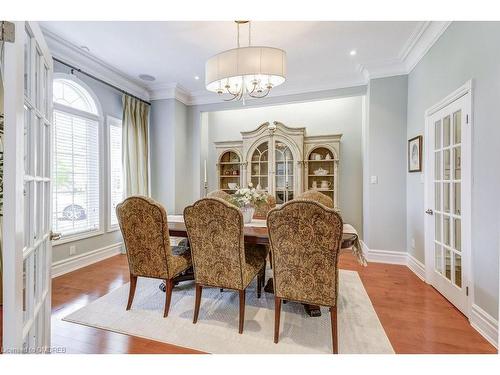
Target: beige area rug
{"x": 360, "y": 330}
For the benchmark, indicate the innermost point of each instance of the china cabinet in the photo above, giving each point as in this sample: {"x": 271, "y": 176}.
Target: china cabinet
{"x": 280, "y": 160}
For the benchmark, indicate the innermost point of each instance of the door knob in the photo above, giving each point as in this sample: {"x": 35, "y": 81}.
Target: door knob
{"x": 55, "y": 236}
{"x": 429, "y": 212}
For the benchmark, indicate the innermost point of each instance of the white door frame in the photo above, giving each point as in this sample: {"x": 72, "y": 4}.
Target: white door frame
{"x": 13, "y": 233}
{"x": 14, "y": 175}
{"x": 466, "y": 187}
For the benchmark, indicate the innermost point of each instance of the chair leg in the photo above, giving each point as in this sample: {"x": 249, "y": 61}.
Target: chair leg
{"x": 333, "y": 318}
{"x": 277, "y": 313}
{"x": 168, "y": 296}
{"x": 242, "y": 310}
{"x": 259, "y": 284}
{"x": 270, "y": 260}
{"x": 261, "y": 280}
{"x": 221, "y": 290}
{"x": 197, "y": 302}
{"x": 131, "y": 293}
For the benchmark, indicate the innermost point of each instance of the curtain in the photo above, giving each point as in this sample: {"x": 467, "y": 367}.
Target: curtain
{"x": 135, "y": 154}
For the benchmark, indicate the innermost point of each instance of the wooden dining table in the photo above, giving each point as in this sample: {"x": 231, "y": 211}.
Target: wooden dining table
{"x": 255, "y": 233}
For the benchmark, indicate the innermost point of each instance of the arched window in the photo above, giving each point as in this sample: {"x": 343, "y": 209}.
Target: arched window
{"x": 76, "y": 200}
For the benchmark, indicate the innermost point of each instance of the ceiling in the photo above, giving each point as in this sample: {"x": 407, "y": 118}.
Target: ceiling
{"x": 318, "y": 53}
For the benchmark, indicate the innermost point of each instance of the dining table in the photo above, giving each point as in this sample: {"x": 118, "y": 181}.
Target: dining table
{"x": 256, "y": 233}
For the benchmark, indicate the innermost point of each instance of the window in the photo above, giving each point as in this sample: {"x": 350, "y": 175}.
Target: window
{"x": 76, "y": 203}
{"x": 115, "y": 168}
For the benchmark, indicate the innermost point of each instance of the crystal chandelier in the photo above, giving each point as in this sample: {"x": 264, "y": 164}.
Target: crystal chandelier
{"x": 250, "y": 71}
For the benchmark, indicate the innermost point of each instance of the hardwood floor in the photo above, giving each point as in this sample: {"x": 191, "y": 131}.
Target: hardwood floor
{"x": 416, "y": 318}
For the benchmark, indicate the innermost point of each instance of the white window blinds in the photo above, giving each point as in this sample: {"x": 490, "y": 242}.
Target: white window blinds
{"x": 115, "y": 167}
{"x": 75, "y": 174}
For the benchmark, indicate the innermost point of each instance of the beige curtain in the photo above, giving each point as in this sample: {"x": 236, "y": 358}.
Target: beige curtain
{"x": 135, "y": 146}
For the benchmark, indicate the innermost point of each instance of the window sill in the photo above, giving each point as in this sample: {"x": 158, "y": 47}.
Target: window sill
{"x": 77, "y": 237}
{"x": 114, "y": 228}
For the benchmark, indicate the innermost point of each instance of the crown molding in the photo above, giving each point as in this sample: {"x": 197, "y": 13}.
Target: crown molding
{"x": 424, "y": 42}
{"x": 420, "y": 42}
{"x": 159, "y": 91}
{"x": 73, "y": 55}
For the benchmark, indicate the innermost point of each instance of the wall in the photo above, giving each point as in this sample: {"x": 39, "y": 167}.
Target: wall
{"x": 466, "y": 50}
{"x": 384, "y": 157}
{"x": 170, "y": 142}
{"x": 111, "y": 104}
{"x": 162, "y": 164}
{"x": 324, "y": 117}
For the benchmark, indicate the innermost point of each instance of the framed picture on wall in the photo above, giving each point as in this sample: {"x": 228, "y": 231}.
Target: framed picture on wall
{"x": 415, "y": 154}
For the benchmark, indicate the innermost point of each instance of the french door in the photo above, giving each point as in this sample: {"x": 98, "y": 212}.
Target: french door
{"x": 448, "y": 179}
{"x": 27, "y": 191}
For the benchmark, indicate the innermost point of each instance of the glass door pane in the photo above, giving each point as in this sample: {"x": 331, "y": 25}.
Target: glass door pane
{"x": 259, "y": 167}
{"x": 284, "y": 173}
{"x": 447, "y": 198}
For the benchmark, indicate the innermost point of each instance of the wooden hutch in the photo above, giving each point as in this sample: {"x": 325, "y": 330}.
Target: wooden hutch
{"x": 280, "y": 160}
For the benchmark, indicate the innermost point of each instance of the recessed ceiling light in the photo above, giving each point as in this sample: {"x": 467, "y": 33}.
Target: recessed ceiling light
{"x": 196, "y": 78}
{"x": 353, "y": 52}
{"x": 146, "y": 77}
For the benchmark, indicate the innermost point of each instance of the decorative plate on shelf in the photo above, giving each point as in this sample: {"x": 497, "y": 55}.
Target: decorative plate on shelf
{"x": 320, "y": 172}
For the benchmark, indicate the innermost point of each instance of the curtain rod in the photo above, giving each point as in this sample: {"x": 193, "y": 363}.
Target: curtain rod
{"x": 99, "y": 80}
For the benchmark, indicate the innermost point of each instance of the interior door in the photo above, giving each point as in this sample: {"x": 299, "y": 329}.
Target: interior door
{"x": 447, "y": 216}
{"x": 27, "y": 191}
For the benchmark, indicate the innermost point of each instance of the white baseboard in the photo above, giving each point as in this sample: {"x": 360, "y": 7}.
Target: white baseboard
{"x": 383, "y": 256}
{"x": 416, "y": 266}
{"x": 73, "y": 263}
{"x": 485, "y": 324}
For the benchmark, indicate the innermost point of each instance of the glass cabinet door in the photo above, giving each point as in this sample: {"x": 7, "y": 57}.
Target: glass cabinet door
{"x": 284, "y": 174}
{"x": 259, "y": 167}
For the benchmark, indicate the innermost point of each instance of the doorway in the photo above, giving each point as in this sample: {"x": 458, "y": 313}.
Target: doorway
{"x": 448, "y": 197}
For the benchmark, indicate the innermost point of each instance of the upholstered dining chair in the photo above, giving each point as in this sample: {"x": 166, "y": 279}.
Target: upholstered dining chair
{"x": 305, "y": 239}
{"x": 261, "y": 212}
{"x": 144, "y": 227}
{"x": 317, "y": 196}
{"x": 220, "y": 257}
{"x": 262, "y": 209}
{"x": 219, "y": 194}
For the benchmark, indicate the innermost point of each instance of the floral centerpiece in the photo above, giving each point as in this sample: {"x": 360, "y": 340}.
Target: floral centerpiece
{"x": 247, "y": 199}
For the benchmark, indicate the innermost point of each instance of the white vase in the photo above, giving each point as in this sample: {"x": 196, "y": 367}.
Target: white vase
{"x": 247, "y": 212}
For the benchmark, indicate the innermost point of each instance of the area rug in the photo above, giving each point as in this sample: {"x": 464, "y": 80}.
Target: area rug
{"x": 360, "y": 330}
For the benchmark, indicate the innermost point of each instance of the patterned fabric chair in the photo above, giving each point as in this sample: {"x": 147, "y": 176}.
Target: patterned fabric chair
{"x": 219, "y": 194}
{"x": 262, "y": 210}
{"x": 261, "y": 213}
{"x": 144, "y": 227}
{"x": 317, "y": 196}
{"x": 220, "y": 258}
{"x": 305, "y": 239}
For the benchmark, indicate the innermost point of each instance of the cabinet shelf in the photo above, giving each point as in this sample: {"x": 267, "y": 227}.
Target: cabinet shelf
{"x": 235, "y": 176}
{"x": 229, "y": 162}
{"x": 321, "y": 175}
{"x": 321, "y": 161}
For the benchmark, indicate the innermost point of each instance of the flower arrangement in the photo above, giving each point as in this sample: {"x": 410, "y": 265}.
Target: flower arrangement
{"x": 245, "y": 197}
